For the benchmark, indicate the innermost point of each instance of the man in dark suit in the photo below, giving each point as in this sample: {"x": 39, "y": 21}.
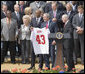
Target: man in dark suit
{"x": 53, "y": 28}
{"x": 70, "y": 13}
{"x": 3, "y": 11}
{"x": 35, "y": 22}
{"x": 78, "y": 24}
{"x": 67, "y": 30}
{"x": 18, "y": 17}
{"x": 55, "y": 15}
{"x": 22, "y": 6}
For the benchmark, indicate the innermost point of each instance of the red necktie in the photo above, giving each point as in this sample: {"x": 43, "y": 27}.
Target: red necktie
{"x": 47, "y": 25}
{"x": 21, "y": 8}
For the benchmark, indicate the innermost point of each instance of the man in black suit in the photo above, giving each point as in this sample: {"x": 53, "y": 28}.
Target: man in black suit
{"x": 70, "y": 14}
{"x": 3, "y": 11}
{"x": 18, "y": 17}
{"x": 22, "y": 6}
{"x": 55, "y": 15}
{"x": 67, "y": 30}
{"x": 36, "y": 22}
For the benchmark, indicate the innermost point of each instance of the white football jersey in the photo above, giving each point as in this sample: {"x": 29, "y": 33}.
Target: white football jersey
{"x": 39, "y": 38}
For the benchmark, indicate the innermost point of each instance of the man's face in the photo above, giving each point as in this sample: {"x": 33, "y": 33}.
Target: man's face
{"x": 21, "y": 2}
{"x": 16, "y": 8}
{"x": 38, "y": 13}
{"x": 8, "y": 14}
{"x": 80, "y": 10}
{"x": 64, "y": 19}
{"x": 54, "y": 7}
{"x": 45, "y": 18}
{"x": 68, "y": 7}
{"x": 4, "y": 8}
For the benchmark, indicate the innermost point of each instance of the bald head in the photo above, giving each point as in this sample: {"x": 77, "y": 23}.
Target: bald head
{"x": 38, "y": 13}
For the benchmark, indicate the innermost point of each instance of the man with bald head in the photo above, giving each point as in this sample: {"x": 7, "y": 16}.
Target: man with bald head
{"x": 36, "y": 22}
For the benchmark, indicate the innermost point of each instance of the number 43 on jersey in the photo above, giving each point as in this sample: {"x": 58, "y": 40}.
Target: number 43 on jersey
{"x": 40, "y": 39}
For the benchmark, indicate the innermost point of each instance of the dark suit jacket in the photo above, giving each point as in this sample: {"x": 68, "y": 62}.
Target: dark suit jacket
{"x": 18, "y": 21}
{"x": 10, "y": 5}
{"x": 76, "y": 22}
{"x": 48, "y": 7}
{"x": 57, "y": 14}
{"x": 24, "y": 6}
{"x": 34, "y": 22}
{"x": 67, "y": 30}
{"x": 52, "y": 27}
{"x": 2, "y": 15}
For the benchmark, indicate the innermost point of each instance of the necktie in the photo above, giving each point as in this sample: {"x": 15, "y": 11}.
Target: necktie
{"x": 17, "y": 15}
{"x": 46, "y": 25}
{"x": 54, "y": 14}
{"x": 80, "y": 17}
{"x": 21, "y": 8}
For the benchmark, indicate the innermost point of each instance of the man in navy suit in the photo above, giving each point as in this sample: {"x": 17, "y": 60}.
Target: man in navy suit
{"x": 53, "y": 28}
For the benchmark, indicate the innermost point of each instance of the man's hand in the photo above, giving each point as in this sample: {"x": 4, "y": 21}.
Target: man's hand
{"x": 54, "y": 43}
{"x": 80, "y": 31}
{"x": 31, "y": 28}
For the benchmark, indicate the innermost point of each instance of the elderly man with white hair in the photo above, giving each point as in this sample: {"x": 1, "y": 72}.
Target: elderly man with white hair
{"x": 67, "y": 31}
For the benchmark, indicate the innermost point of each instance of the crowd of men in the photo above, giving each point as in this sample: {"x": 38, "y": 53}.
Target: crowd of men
{"x": 18, "y": 18}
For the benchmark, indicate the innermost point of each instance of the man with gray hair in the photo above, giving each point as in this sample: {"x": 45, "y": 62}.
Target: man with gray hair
{"x": 67, "y": 31}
